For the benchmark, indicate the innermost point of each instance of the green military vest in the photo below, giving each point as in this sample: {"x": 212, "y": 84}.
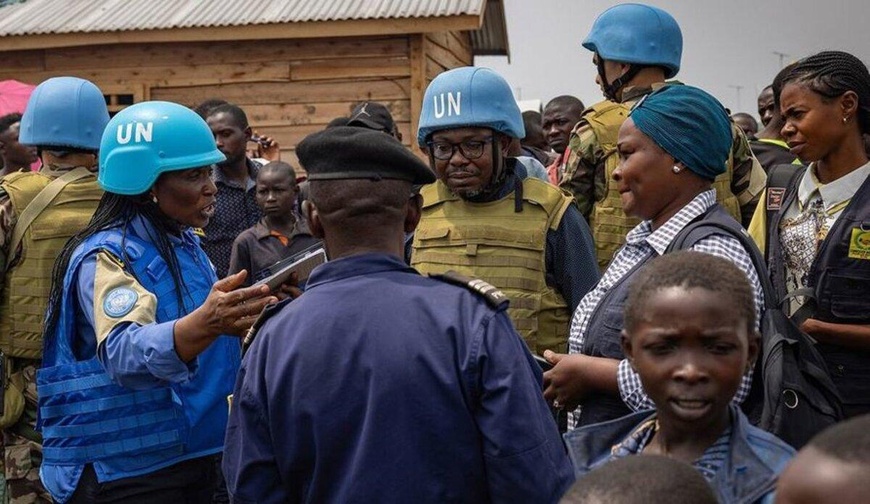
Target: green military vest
{"x": 28, "y": 282}
{"x": 608, "y": 221}
{"x": 492, "y": 242}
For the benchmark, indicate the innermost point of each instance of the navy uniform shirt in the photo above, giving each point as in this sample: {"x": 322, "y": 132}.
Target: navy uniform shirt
{"x": 380, "y": 385}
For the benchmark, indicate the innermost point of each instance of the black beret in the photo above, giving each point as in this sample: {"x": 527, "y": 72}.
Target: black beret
{"x": 347, "y": 152}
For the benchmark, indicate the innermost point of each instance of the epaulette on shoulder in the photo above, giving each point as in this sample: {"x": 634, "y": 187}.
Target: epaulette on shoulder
{"x": 494, "y": 297}
{"x": 265, "y": 315}
{"x": 114, "y": 258}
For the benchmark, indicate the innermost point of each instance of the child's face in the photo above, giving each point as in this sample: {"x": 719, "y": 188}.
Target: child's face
{"x": 816, "y": 478}
{"x": 691, "y": 352}
{"x": 276, "y": 193}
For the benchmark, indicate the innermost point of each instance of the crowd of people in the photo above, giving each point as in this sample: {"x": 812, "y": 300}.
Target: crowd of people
{"x": 514, "y": 320}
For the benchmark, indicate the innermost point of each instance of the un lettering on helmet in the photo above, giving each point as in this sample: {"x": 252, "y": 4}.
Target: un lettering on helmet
{"x": 453, "y": 104}
{"x": 143, "y": 132}
{"x": 153, "y": 137}
{"x": 469, "y": 97}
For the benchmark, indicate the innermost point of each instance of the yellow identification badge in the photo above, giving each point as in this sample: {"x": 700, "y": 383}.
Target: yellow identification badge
{"x": 859, "y": 245}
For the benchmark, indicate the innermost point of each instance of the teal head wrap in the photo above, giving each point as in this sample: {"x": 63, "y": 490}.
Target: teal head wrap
{"x": 688, "y": 124}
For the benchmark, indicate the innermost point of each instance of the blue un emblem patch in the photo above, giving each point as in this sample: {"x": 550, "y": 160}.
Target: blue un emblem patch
{"x": 120, "y": 301}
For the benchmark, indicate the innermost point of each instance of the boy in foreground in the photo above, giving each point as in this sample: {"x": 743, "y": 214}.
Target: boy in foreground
{"x": 689, "y": 333}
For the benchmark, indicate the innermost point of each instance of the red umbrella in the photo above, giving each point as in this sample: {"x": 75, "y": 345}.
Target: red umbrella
{"x": 14, "y": 96}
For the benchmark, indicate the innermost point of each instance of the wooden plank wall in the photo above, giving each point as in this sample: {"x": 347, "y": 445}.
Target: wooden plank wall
{"x": 431, "y": 54}
{"x": 289, "y": 88}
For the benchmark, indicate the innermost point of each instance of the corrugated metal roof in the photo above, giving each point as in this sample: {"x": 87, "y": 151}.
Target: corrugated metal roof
{"x": 37, "y": 17}
{"x": 492, "y": 38}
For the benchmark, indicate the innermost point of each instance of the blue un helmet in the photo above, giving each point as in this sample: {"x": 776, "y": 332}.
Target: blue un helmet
{"x": 65, "y": 112}
{"x": 638, "y": 34}
{"x": 149, "y": 138}
{"x": 469, "y": 97}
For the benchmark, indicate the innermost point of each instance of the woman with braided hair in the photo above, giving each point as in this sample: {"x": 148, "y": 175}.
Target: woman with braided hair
{"x": 141, "y": 344}
{"x": 815, "y": 226}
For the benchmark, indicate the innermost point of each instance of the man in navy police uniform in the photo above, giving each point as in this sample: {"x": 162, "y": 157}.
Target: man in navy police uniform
{"x": 379, "y": 384}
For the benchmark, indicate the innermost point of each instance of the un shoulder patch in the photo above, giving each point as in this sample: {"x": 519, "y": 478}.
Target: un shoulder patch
{"x": 120, "y": 301}
{"x": 494, "y": 297}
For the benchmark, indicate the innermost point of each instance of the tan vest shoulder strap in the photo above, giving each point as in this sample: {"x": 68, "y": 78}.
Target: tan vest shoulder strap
{"x": 436, "y": 193}
{"x": 604, "y": 119}
{"x": 552, "y": 199}
{"x": 41, "y": 201}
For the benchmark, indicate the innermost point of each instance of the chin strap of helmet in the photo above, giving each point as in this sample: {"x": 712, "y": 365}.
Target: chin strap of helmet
{"x": 506, "y": 168}
{"x": 502, "y": 170}
{"x": 611, "y": 88}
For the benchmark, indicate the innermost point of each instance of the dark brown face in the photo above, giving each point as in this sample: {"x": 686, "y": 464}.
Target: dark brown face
{"x": 691, "y": 353}
{"x": 229, "y": 137}
{"x": 186, "y": 196}
{"x": 644, "y": 177}
{"x": 557, "y": 122}
{"x": 276, "y": 193}
{"x": 469, "y": 168}
{"x": 813, "y": 127}
{"x": 14, "y": 153}
{"x": 765, "y": 106}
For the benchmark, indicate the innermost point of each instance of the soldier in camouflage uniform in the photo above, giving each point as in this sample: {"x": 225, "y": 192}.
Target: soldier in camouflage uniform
{"x": 39, "y": 211}
{"x": 628, "y": 71}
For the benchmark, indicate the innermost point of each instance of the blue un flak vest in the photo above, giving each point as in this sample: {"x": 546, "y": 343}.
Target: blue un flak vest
{"x": 87, "y": 418}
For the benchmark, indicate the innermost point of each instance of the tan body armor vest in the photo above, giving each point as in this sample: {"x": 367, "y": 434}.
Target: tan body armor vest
{"x": 28, "y": 282}
{"x": 608, "y": 220}
{"x": 492, "y": 242}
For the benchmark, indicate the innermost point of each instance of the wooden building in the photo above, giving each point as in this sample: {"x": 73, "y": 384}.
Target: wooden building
{"x": 293, "y": 65}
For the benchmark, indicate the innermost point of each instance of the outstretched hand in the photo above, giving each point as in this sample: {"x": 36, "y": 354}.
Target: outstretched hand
{"x": 227, "y": 310}
{"x": 232, "y": 310}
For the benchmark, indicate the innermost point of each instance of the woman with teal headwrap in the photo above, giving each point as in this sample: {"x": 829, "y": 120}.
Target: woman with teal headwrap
{"x": 672, "y": 146}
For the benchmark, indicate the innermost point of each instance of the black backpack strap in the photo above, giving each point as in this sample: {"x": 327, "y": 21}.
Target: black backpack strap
{"x": 702, "y": 229}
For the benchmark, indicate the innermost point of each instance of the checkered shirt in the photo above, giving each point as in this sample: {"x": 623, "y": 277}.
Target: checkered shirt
{"x": 643, "y": 243}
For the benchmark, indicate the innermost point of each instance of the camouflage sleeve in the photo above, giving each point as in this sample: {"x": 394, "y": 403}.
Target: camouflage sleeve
{"x": 583, "y": 169}
{"x": 748, "y": 177}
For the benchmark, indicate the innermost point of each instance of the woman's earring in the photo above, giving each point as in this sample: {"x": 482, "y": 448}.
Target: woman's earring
{"x": 154, "y": 199}
{"x": 845, "y": 119}
{"x": 676, "y": 169}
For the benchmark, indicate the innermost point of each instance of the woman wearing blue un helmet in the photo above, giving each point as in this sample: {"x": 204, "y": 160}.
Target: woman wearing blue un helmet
{"x": 140, "y": 354}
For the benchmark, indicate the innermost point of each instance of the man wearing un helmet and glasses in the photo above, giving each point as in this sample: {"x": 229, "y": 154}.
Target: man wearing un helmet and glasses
{"x": 486, "y": 218}
{"x": 635, "y": 48}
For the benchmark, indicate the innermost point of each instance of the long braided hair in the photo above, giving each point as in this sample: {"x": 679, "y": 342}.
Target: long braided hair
{"x": 114, "y": 211}
{"x": 831, "y": 74}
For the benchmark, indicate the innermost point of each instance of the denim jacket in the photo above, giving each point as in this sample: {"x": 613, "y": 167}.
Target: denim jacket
{"x": 756, "y": 458}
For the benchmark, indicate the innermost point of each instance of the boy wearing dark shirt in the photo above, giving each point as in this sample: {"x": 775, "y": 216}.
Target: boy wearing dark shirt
{"x": 279, "y": 234}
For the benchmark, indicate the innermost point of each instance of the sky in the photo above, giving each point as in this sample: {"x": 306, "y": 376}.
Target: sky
{"x": 730, "y": 47}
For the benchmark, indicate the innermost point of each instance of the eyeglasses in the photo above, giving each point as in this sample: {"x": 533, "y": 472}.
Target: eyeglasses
{"x": 470, "y": 149}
